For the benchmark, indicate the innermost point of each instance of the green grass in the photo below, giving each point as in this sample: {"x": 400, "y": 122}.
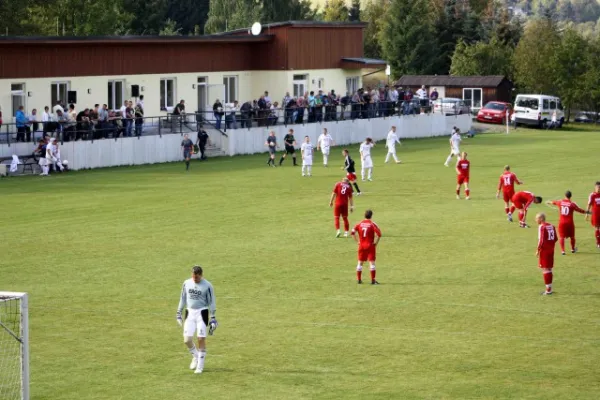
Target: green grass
{"x": 103, "y": 254}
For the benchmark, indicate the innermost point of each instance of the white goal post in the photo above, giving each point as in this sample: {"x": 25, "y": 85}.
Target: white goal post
{"x": 14, "y": 346}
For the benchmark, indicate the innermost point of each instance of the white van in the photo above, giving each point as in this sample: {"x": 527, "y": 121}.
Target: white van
{"x": 537, "y": 110}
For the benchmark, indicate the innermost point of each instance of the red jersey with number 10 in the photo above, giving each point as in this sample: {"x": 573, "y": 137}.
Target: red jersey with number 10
{"x": 463, "y": 166}
{"x": 343, "y": 192}
{"x": 507, "y": 182}
{"x": 366, "y": 230}
{"x": 566, "y": 208}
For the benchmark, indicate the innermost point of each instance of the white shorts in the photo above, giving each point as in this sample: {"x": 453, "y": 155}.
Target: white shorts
{"x": 43, "y": 162}
{"x": 194, "y": 323}
{"x": 307, "y": 162}
{"x": 325, "y": 150}
{"x": 392, "y": 149}
{"x": 456, "y": 151}
{"x": 367, "y": 162}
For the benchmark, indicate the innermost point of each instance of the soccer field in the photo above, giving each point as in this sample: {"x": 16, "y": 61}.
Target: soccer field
{"x": 458, "y": 313}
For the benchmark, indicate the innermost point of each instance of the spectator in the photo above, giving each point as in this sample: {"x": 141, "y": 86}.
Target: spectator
{"x": 286, "y": 99}
{"x": 202, "y": 140}
{"x": 319, "y": 106}
{"x": 35, "y": 124}
{"x": 246, "y": 111}
{"x": 93, "y": 114}
{"x": 231, "y": 109}
{"x": 267, "y": 98}
{"x": 312, "y": 103}
{"x": 366, "y": 103}
{"x": 274, "y": 114}
{"x": 180, "y": 108}
{"x": 58, "y": 107}
{"x": 0, "y": 116}
{"x": 262, "y": 111}
{"x": 344, "y": 102}
{"x": 130, "y": 115}
{"x": 434, "y": 95}
{"x": 139, "y": 118}
{"x": 123, "y": 108}
{"x": 103, "y": 125}
{"x": 290, "y": 109}
{"x": 218, "y": 113}
{"x": 300, "y": 107}
{"x": 66, "y": 124}
{"x": 141, "y": 101}
{"x": 22, "y": 122}
{"x": 423, "y": 96}
{"x": 83, "y": 124}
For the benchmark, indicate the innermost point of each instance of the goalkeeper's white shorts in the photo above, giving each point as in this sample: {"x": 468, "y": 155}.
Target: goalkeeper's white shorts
{"x": 196, "y": 322}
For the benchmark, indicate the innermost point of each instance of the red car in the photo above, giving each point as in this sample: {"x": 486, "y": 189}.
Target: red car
{"x": 495, "y": 112}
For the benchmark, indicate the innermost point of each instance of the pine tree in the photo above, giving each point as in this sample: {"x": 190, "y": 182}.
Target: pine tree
{"x": 335, "y": 11}
{"x": 354, "y": 13}
{"x": 373, "y": 14}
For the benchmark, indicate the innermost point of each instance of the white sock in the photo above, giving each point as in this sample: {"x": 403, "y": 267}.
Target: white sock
{"x": 303, "y": 170}
{"x": 362, "y": 174}
{"x": 359, "y": 267}
{"x": 46, "y": 169}
{"x": 387, "y": 157}
{"x": 201, "y": 357}
{"x": 395, "y": 157}
{"x": 448, "y": 159}
{"x": 370, "y": 170}
{"x": 309, "y": 169}
{"x": 325, "y": 158}
{"x": 194, "y": 352}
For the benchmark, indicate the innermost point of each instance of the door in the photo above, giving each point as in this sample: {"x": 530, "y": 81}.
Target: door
{"x": 202, "y": 89}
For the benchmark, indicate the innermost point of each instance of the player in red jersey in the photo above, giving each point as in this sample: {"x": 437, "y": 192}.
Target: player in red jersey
{"x": 594, "y": 208}
{"x": 521, "y": 201}
{"x": 462, "y": 175}
{"x": 342, "y": 194}
{"x": 566, "y": 226}
{"x": 507, "y": 184}
{"x": 545, "y": 249}
{"x": 368, "y": 236}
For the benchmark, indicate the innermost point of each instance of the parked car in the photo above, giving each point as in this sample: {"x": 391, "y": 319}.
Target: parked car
{"x": 537, "y": 110}
{"x": 495, "y": 112}
{"x": 450, "y": 106}
{"x": 586, "y": 117}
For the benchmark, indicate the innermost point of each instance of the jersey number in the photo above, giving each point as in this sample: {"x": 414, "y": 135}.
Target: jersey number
{"x": 344, "y": 188}
{"x": 507, "y": 180}
{"x": 564, "y": 210}
{"x": 365, "y": 232}
{"x": 551, "y": 234}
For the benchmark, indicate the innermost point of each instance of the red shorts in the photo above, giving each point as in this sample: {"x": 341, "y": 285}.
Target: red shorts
{"x": 508, "y": 195}
{"x": 340, "y": 210}
{"x": 546, "y": 260}
{"x": 518, "y": 205}
{"x": 367, "y": 254}
{"x": 462, "y": 179}
{"x": 596, "y": 219}
{"x": 566, "y": 230}
{"x": 351, "y": 176}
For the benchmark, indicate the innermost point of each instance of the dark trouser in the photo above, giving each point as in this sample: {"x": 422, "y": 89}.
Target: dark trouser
{"x": 202, "y": 146}
{"x": 21, "y": 134}
{"x": 300, "y": 117}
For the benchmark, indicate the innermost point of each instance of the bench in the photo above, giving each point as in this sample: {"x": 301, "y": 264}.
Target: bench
{"x": 28, "y": 162}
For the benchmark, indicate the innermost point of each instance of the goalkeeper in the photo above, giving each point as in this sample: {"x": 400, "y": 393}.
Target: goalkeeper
{"x": 198, "y": 297}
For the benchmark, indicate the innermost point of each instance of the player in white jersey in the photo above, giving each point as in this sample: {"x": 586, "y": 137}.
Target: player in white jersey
{"x": 50, "y": 160}
{"x": 307, "y": 156}
{"x": 324, "y": 144}
{"x": 198, "y": 298}
{"x": 57, "y": 159}
{"x": 454, "y": 145}
{"x": 365, "y": 159}
{"x": 390, "y": 143}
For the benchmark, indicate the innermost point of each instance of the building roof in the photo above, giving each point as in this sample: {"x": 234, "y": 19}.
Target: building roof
{"x": 304, "y": 24}
{"x": 132, "y": 39}
{"x": 367, "y": 61}
{"x": 448, "y": 80}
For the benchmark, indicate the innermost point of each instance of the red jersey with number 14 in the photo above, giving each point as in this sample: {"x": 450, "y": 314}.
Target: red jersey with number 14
{"x": 366, "y": 229}
{"x": 343, "y": 192}
{"x": 566, "y": 208}
{"x": 507, "y": 182}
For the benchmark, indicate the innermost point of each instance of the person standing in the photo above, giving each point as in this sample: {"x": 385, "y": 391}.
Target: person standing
{"x": 566, "y": 225}
{"x": 202, "y": 140}
{"x": 198, "y": 299}
{"x": 307, "y": 157}
{"x": 349, "y": 166}
{"x": 594, "y": 208}
{"x": 324, "y": 143}
{"x": 218, "y": 113}
{"x": 507, "y": 184}
{"x": 545, "y": 250}
{"x": 463, "y": 167}
{"x": 139, "y": 118}
{"x": 289, "y": 142}
{"x": 342, "y": 194}
{"x": 454, "y": 145}
{"x": 187, "y": 146}
{"x": 369, "y": 235}
{"x": 21, "y": 122}
{"x": 271, "y": 144}
{"x": 390, "y": 143}
{"x": 365, "y": 158}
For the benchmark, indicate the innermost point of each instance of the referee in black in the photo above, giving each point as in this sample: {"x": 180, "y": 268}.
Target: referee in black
{"x": 290, "y": 147}
{"x": 202, "y": 141}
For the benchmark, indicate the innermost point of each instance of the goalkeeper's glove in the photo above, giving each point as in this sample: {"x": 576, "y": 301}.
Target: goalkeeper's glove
{"x": 212, "y": 325}
{"x": 179, "y": 320}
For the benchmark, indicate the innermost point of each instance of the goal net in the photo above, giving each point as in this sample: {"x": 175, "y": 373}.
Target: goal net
{"x": 14, "y": 346}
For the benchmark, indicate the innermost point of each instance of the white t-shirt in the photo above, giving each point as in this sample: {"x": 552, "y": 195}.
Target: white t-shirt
{"x": 49, "y": 151}
{"x": 365, "y": 149}
{"x": 392, "y": 139}
{"x": 422, "y": 93}
{"x": 56, "y": 108}
{"x": 123, "y": 109}
{"x": 307, "y": 149}
{"x": 455, "y": 139}
{"x": 325, "y": 140}
{"x": 45, "y": 117}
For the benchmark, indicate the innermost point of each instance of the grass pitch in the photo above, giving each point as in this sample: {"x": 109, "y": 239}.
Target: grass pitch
{"x": 458, "y": 315}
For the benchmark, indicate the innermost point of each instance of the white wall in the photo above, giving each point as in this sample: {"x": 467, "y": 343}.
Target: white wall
{"x": 157, "y": 149}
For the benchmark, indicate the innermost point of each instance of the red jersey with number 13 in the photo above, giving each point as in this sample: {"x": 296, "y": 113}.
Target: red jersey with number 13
{"x": 566, "y": 208}
{"x": 343, "y": 192}
{"x": 366, "y": 229}
{"x": 546, "y": 238}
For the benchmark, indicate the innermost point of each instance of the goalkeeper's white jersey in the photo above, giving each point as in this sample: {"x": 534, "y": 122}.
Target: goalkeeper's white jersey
{"x": 197, "y": 296}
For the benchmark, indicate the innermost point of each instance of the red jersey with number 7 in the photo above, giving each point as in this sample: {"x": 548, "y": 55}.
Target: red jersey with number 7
{"x": 343, "y": 192}
{"x": 366, "y": 229}
{"x": 566, "y": 208}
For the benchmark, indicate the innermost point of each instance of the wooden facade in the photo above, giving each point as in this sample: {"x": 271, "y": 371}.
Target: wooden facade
{"x": 284, "y": 46}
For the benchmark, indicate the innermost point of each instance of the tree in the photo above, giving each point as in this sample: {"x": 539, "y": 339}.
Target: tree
{"x": 225, "y": 15}
{"x": 286, "y": 10}
{"x": 532, "y": 67}
{"x": 493, "y": 58}
{"x": 188, "y": 13}
{"x": 12, "y": 13}
{"x": 407, "y": 40}
{"x": 335, "y": 10}
{"x": 373, "y": 14}
{"x": 591, "y": 78}
{"x": 354, "y": 13}
{"x": 170, "y": 29}
{"x": 149, "y": 16}
{"x": 447, "y": 29}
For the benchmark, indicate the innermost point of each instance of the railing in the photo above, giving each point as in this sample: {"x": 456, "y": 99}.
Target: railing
{"x": 226, "y": 120}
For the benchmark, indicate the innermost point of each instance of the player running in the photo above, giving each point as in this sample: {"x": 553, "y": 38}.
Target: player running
{"x": 198, "y": 297}
{"x": 507, "y": 184}
{"x": 566, "y": 226}
{"x": 307, "y": 156}
{"x": 390, "y": 143}
{"x": 521, "y": 201}
{"x": 455, "y": 140}
{"x": 545, "y": 250}
{"x": 290, "y": 147}
{"x": 324, "y": 143}
{"x": 594, "y": 208}
{"x": 462, "y": 175}
{"x": 365, "y": 159}
{"x": 271, "y": 143}
{"x": 342, "y": 194}
{"x": 350, "y": 170}
{"x": 368, "y": 237}
{"x": 186, "y": 146}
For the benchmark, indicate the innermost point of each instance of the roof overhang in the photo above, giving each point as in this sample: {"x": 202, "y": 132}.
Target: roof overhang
{"x": 360, "y": 63}
{"x": 132, "y": 40}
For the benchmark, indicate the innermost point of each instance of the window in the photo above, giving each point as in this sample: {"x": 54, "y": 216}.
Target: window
{"x": 17, "y": 91}
{"x": 553, "y": 104}
{"x": 167, "y": 94}
{"x": 352, "y": 84}
{"x": 320, "y": 83}
{"x": 59, "y": 91}
{"x": 299, "y": 85}
{"x": 546, "y": 104}
{"x": 231, "y": 89}
{"x": 528, "y": 102}
{"x": 116, "y": 95}
{"x": 472, "y": 97}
